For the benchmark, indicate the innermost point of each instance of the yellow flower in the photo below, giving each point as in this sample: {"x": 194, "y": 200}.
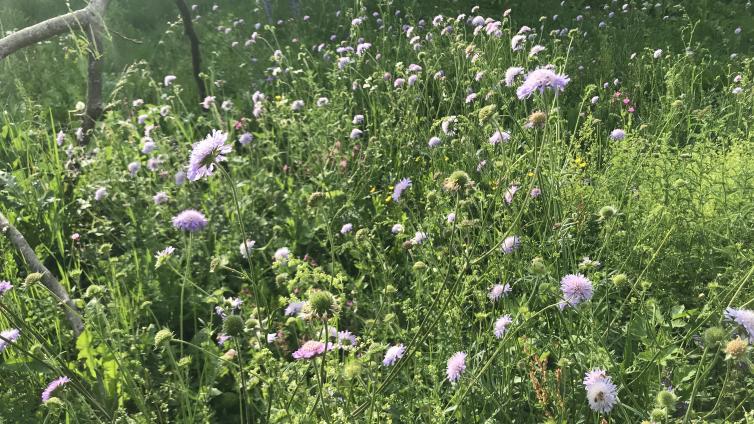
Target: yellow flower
{"x": 373, "y": 189}
{"x": 278, "y": 98}
{"x": 530, "y": 174}
{"x": 388, "y": 199}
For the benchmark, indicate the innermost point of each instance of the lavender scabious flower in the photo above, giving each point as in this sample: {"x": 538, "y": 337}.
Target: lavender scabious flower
{"x": 246, "y": 247}
{"x": 601, "y": 393}
{"x": 133, "y": 168}
{"x": 206, "y": 153}
{"x": 540, "y": 79}
{"x": 393, "y": 354}
{"x": 419, "y": 238}
{"x": 400, "y": 187}
{"x": 54, "y": 385}
{"x": 310, "y": 349}
{"x": 356, "y": 133}
{"x": 499, "y": 136}
{"x": 346, "y": 228}
{"x": 294, "y": 308}
{"x": 509, "y": 193}
{"x": 456, "y": 366}
{"x": 245, "y": 138}
{"x": 346, "y": 340}
{"x": 397, "y": 228}
{"x": 499, "y": 290}
{"x": 617, "y": 134}
{"x": 501, "y": 325}
{"x": 744, "y": 318}
{"x": 535, "y": 192}
{"x": 160, "y": 197}
{"x": 451, "y": 218}
{"x": 576, "y": 289}
{"x": 510, "y": 244}
{"x": 190, "y": 220}
{"x": 358, "y": 119}
{"x": 7, "y": 337}
{"x": 434, "y": 142}
{"x": 281, "y": 255}
{"x": 169, "y": 80}
{"x": 100, "y": 194}
{"x": 5, "y": 286}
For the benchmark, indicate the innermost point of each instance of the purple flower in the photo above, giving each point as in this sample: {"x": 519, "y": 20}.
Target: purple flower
{"x": 7, "y": 337}
{"x": 208, "y": 102}
{"x": 540, "y": 79}
{"x": 451, "y": 218}
{"x": 206, "y": 153}
{"x": 160, "y": 198}
{"x": 398, "y": 83}
{"x": 419, "y": 237}
{"x": 54, "y": 384}
{"x": 346, "y": 228}
{"x": 245, "y": 138}
{"x": 617, "y": 134}
{"x": 536, "y": 50}
{"x": 133, "y": 168}
{"x": 222, "y": 338}
{"x": 471, "y": 97}
{"x": 501, "y": 325}
{"x": 456, "y": 366}
{"x": 60, "y": 138}
{"x": 601, "y": 393}
{"x": 190, "y": 220}
{"x": 576, "y": 289}
{"x": 4, "y": 287}
{"x": 356, "y": 133}
{"x": 358, "y": 119}
{"x": 346, "y": 340}
{"x": 169, "y": 80}
{"x": 434, "y": 142}
{"x": 297, "y": 105}
{"x": 510, "y": 244}
{"x": 509, "y": 193}
{"x": 744, "y": 318}
{"x": 281, "y": 255}
{"x": 393, "y": 354}
{"x": 400, "y": 187}
{"x": 310, "y": 349}
{"x": 100, "y": 194}
{"x": 499, "y": 136}
{"x": 180, "y": 178}
{"x": 516, "y": 42}
{"x": 271, "y": 337}
{"x": 246, "y": 247}
{"x": 397, "y": 228}
{"x": 535, "y": 192}
{"x": 294, "y": 308}
{"x": 499, "y": 290}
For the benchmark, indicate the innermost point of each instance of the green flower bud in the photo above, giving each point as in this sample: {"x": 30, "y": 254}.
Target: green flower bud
{"x": 714, "y": 336}
{"x": 607, "y": 212}
{"x": 162, "y": 337}
{"x": 667, "y": 400}
{"x": 33, "y": 278}
{"x": 321, "y": 302}
{"x": 619, "y": 279}
{"x": 658, "y": 414}
{"x": 233, "y": 325}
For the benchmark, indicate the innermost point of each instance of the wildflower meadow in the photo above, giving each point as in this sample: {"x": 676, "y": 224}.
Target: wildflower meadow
{"x": 388, "y": 211}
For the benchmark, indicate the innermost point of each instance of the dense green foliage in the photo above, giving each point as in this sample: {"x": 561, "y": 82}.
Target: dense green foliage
{"x": 660, "y": 221}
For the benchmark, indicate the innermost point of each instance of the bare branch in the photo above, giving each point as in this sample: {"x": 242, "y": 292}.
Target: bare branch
{"x": 196, "y": 58}
{"x": 96, "y": 28}
{"x": 52, "y": 27}
{"x": 19, "y": 242}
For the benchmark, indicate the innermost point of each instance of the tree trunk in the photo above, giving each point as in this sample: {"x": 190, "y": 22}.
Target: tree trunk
{"x": 196, "y": 58}
{"x": 19, "y": 242}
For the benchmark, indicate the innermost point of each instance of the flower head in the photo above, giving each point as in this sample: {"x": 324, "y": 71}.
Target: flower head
{"x": 5, "y": 286}
{"x": 601, "y": 393}
{"x": 100, "y": 194}
{"x": 281, "y": 255}
{"x": 393, "y": 354}
{"x": 397, "y": 228}
{"x": 246, "y": 247}
{"x": 293, "y": 308}
{"x": 456, "y": 366}
{"x": 498, "y": 290}
{"x": 7, "y": 337}
{"x": 346, "y": 228}
{"x": 54, "y": 384}
{"x": 206, "y": 153}
{"x": 310, "y": 349}
{"x": 190, "y": 220}
{"x": 540, "y": 79}
{"x": 511, "y": 74}
{"x": 501, "y": 325}
{"x": 163, "y": 255}
{"x": 160, "y": 197}
{"x": 617, "y": 134}
{"x": 346, "y": 340}
{"x": 576, "y": 289}
{"x": 744, "y": 318}
{"x": 499, "y": 136}
{"x": 510, "y": 244}
{"x": 400, "y": 187}
{"x": 169, "y": 80}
